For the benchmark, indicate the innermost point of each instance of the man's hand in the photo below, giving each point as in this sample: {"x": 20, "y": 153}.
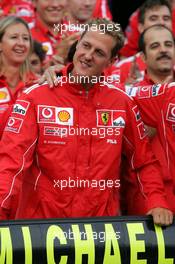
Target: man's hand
{"x": 50, "y": 75}
{"x": 134, "y": 73}
{"x": 65, "y": 44}
{"x": 161, "y": 216}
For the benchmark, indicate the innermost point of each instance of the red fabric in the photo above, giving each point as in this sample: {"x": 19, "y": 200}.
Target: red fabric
{"x": 102, "y": 9}
{"x": 156, "y": 103}
{"x": 21, "y": 8}
{"x": 134, "y": 201}
{"x": 6, "y": 100}
{"x": 44, "y": 154}
{"x": 132, "y": 35}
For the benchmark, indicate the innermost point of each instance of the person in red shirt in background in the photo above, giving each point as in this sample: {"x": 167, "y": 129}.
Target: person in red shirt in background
{"x": 19, "y": 8}
{"x": 132, "y": 32}
{"x": 48, "y": 26}
{"x": 150, "y": 13}
{"x": 79, "y": 11}
{"x": 37, "y": 58}
{"x": 102, "y": 9}
{"x": 15, "y": 73}
{"x": 158, "y": 52}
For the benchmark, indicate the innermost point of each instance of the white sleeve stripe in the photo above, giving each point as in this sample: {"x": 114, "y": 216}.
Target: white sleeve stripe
{"x": 111, "y": 86}
{"x": 38, "y": 174}
{"x": 137, "y": 173}
{"x": 166, "y": 142}
{"x": 103, "y": 8}
{"x": 14, "y": 177}
{"x": 33, "y": 87}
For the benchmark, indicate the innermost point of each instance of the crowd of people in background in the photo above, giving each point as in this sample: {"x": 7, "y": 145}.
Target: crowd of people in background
{"x": 39, "y": 38}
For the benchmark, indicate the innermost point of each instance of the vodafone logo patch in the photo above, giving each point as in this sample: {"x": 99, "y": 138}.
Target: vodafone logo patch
{"x": 14, "y": 124}
{"x": 170, "y": 116}
{"x": 55, "y": 115}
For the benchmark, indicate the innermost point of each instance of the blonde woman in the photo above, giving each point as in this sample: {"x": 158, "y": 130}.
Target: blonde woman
{"x": 15, "y": 73}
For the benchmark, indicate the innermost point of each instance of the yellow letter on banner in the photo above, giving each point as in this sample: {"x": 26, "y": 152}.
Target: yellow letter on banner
{"x": 161, "y": 247}
{"x": 136, "y": 246}
{"x": 6, "y": 254}
{"x": 27, "y": 245}
{"x": 84, "y": 246}
{"x": 111, "y": 241}
{"x": 52, "y": 233}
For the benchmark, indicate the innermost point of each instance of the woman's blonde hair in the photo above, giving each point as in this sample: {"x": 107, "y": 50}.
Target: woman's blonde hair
{"x": 25, "y": 68}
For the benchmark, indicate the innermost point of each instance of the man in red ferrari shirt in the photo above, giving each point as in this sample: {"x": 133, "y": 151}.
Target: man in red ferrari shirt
{"x": 158, "y": 52}
{"x": 150, "y": 13}
{"x": 51, "y": 154}
{"x": 47, "y": 28}
{"x": 132, "y": 31}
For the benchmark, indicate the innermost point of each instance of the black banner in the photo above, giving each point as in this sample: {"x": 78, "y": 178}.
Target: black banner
{"x": 120, "y": 240}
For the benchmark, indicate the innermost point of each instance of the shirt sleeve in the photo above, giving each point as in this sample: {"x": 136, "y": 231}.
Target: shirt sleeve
{"x": 16, "y": 148}
{"x": 150, "y": 100}
{"x": 138, "y": 151}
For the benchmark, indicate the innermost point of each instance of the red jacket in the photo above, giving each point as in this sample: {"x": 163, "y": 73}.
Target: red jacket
{"x": 157, "y": 104}
{"x": 134, "y": 202}
{"x": 43, "y": 35}
{"x": 7, "y": 99}
{"x": 41, "y": 147}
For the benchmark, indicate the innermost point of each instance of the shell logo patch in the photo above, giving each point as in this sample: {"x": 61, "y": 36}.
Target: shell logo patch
{"x": 48, "y": 48}
{"x": 64, "y": 116}
{"x": 3, "y": 95}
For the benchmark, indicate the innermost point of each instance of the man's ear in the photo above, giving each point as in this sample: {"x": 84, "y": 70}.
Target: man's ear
{"x": 112, "y": 60}
{"x": 143, "y": 57}
{"x": 140, "y": 28}
{"x": 78, "y": 43}
{"x": 34, "y": 4}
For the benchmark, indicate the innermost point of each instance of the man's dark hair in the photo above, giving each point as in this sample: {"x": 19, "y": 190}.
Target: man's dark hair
{"x": 110, "y": 28}
{"x": 141, "y": 42}
{"x": 149, "y": 4}
{"x": 38, "y": 49}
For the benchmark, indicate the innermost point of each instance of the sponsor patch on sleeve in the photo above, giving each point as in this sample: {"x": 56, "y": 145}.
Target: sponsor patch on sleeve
{"x": 131, "y": 90}
{"x": 170, "y": 116}
{"x": 144, "y": 91}
{"x": 20, "y": 107}
{"x": 136, "y": 113}
{"x": 14, "y": 124}
{"x": 156, "y": 89}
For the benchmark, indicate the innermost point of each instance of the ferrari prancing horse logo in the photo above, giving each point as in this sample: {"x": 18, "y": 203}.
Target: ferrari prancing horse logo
{"x": 105, "y": 117}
